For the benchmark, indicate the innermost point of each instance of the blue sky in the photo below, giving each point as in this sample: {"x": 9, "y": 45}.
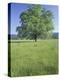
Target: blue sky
{"x": 17, "y": 8}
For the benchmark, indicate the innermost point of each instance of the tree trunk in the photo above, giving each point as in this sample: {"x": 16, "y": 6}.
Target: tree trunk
{"x": 35, "y": 38}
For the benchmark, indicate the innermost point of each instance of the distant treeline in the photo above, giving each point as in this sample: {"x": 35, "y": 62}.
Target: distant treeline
{"x": 15, "y": 37}
{"x": 55, "y": 35}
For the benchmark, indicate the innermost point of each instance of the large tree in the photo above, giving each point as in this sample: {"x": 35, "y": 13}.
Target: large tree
{"x": 35, "y": 22}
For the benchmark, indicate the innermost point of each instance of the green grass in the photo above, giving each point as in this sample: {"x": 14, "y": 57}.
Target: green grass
{"x": 34, "y": 58}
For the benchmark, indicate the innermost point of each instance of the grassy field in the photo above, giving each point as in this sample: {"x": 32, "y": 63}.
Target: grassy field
{"x": 34, "y": 58}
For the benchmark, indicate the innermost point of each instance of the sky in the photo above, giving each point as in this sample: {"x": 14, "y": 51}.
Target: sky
{"x": 18, "y": 8}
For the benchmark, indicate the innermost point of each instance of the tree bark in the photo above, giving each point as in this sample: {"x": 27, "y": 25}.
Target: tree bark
{"x": 35, "y": 38}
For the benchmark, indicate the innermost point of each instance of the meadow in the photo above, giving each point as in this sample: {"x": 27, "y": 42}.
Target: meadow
{"x": 29, "y": 58}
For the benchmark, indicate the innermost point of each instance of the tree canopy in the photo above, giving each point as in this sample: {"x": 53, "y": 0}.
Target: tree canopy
{"x": 36, "y": 22}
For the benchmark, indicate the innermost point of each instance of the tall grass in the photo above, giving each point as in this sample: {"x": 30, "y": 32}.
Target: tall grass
{"x": 34, "y": 58}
